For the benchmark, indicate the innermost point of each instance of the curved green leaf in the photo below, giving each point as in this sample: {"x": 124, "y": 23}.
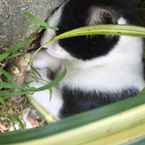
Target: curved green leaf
{"x": 78, "y": 122}
{"x": 103, "y": 30}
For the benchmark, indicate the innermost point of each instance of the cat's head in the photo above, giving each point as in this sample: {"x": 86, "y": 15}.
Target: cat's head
{"x": 77, "y": 13}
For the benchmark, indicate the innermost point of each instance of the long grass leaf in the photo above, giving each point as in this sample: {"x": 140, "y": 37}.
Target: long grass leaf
{"x": 103, "y": 30}
{"x": 70, "y": 129}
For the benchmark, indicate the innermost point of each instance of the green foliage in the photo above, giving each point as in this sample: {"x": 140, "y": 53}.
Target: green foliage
{"x": 102, "y": 30}
{"x": 36, "y": 20}
{"x": 8, "y": 87}
{"x": 89, "y": 127}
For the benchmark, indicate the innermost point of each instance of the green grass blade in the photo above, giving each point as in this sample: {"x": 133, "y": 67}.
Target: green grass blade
{"x": 103, "y": 30}
{"x": 140, "y": 141}
{"x": 36, "y": 20}
{"x": 24, "y": 90}
{"x": 5, "y": 85}
{"x": 6, "y": 74}
{"x": 75, "y": 122}
{"x": 3, "y": 56}
{"x": 59, "y": 77}
{"x": 128, "y": 136}
{"x": 11, "y": 51}
{"x": 49, "y": 118}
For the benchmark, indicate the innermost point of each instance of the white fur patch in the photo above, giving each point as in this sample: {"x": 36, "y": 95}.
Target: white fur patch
{"x": 52, "y": 102}
{"x": 43, "y": 60}
{"x": 52, "y": 22}
{"x": 122, "y": 21}
{"x": 56, "y": 51}
{"x": 95, "y": 16}
{"x": 120, "y": 69}
{"x": 26, "y": 120}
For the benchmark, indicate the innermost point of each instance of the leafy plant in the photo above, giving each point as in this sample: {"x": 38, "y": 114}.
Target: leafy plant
{"x": 8, "y": 87}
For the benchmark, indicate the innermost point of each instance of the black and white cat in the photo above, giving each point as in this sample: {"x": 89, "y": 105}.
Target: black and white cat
{"x": 100, "y": 69}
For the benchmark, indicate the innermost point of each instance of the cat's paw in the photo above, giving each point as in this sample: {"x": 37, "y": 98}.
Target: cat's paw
{"x": 44, "y": 60}
{"x": 51, "y": 101}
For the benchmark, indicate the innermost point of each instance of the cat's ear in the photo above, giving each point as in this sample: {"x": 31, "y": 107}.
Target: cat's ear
{"x": 101, "y": 16}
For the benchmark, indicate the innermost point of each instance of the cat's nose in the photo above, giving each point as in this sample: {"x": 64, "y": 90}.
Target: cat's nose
{"x": 107, "y": 18}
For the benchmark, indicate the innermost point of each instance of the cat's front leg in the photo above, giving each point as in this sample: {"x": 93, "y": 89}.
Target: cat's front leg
{"x": 51, "y": 101}
{"x": 44, "y": 64}
{"x": 43, "y": 60}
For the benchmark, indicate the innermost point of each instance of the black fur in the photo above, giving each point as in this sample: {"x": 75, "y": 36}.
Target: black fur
{"x": 75, "y": 14}
{"x": 76, "y": 100}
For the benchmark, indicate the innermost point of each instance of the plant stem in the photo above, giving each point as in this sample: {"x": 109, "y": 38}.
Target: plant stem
{"x": 47, "y": 116}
